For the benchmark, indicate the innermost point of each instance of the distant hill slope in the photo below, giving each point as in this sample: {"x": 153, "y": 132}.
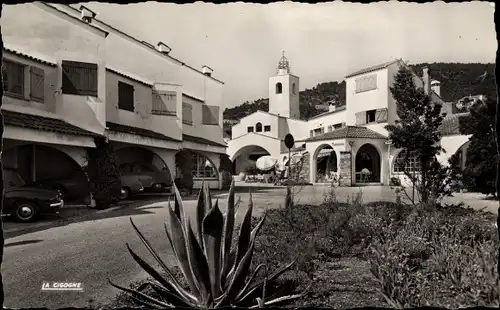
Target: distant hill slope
{"x": 457, "y": 80}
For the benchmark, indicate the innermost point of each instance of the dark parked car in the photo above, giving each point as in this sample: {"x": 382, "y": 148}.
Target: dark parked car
{"x": 130, "y": 186}
{"x": 151, "y": 178}
{"x": 73, "y": 186}
{"x": 26, "y": 203}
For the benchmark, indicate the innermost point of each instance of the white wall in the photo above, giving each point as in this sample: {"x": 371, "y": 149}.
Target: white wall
{"x": 285, "y": 104}
{"x": 264, "y": 118}
{"x": 45, "y": 31}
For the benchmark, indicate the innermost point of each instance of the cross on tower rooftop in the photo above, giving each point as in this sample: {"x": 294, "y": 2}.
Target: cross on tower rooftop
{"x": 283, "y": 65}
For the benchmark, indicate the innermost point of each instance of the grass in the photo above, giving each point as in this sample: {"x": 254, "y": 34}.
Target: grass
{"x": 380, "y": 255}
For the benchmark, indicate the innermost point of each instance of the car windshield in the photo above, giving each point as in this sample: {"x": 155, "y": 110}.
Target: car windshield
{"x": 12, "y": 178}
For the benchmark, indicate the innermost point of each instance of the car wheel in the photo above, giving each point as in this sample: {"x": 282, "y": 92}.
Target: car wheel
{"x": 124, "y": 193}
{"x": 25, "y": 212}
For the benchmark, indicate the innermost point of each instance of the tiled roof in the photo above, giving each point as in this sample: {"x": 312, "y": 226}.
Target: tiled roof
{"x": 373, "y": 68}
{"x": 138, "y": 131}
{"x": 42, "y": 59}
{"x": 201, "y": 140}
{"x": 43, "y": 123}
{"x": 348, "y": 132}
{"x": 130, "y": 76}
{"x": 450, "y": 125}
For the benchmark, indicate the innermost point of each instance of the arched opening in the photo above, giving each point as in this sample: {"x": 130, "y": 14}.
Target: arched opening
{"x": 258, "y": 127}
{"x": 294, "y": 89}
{"x": 47, "y": 167}
{"x": 326, "y": 164}
{"x": 147, "y": 166}
{"x": 461, "y": 156}
{"x": 279, "y": 88}
{"x": 367, "y": 164}
{"x": 244, "y": 159}
{"x": 203, "y": 167}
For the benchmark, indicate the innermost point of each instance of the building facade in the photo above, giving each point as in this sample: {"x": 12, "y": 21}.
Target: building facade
{"x": 89, "y": 87}
{"x": 346, "y": 141}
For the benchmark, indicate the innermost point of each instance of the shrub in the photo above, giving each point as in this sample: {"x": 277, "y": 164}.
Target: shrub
{"x": 227, "y": 179}
{"x": 251, "y": 168}
{"x": 226, "y": 164}
{"x": 184, "y": 167}
{"x": 104, "y": 175}
{"x": 440, "y": 258}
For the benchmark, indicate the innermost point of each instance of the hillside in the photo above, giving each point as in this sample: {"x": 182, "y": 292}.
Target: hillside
{"x": 457, "y": 80}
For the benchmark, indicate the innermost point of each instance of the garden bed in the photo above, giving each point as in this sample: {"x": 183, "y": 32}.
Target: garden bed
{"x": 352, "y": 254}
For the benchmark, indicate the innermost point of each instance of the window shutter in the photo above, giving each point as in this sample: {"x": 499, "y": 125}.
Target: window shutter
{"x": 37, "y": 84}
{"x": 79, "y": 78}
{"x": 126, "y": 97}
{"x": 361, "y": 118}
{"x": 187, "y": 113}
{"x": 210, "y": 115}
{"x": 311, "y": 133}
{"x": 381, "y": 115}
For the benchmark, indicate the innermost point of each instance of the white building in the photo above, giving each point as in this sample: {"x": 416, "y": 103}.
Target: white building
{"x": 344, "y": 140}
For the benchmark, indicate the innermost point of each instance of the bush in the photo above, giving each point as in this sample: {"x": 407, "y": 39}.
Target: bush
{"x": 251, "y": 168}
{"x": 227, "y": 178}
{"x": 184, "y": 166}
{"x": 226, "y": 164}
{"x": 442, "y": 258}
{"x": 104, "y": 175}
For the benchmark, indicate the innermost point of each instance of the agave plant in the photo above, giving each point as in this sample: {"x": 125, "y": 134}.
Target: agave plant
{"x": 217, "y": 273}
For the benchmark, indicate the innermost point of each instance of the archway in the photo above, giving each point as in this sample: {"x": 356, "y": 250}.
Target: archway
{"x": 461, "y": 156}
{"x": 326, "y": 163}
{"x": 150, "y": 168}
{"x": 367, "y": 159}
{"x": 49, "y": 167}
{"x": 246, "y": 157}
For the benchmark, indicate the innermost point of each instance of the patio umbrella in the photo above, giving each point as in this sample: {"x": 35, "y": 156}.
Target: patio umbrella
{"x": 295, "y": 159}
{"x": 266, "y": 163}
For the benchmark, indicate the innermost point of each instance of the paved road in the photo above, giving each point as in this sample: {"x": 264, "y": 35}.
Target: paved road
{"x": 94, "y": 250}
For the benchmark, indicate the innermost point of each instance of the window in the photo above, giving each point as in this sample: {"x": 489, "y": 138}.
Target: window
{"x": 13, "y": 78}
{"x": 279, "y": 88}
{"x": 294, "y": 89}
{"x": 330, "y": 128}
{"x": 79, "y": 78}
{"x": 319, "y": 131}
{"x": 250, "y": 129}
{"x": 410, "y": 166}
{"x": 187, "y": 114}
{"x": 37, "y": 84}
{"x": 258, "y": 127}
{"x": 370, "y": 116}
{"x": 164, "y": 103}
{"x": 366, "y": 83}
{"x": 202, "y": 167}
{"x": 267, "y": 128}
{"x": 338, "y": 126}
{"x": 210, "y": 115}
{"x": 125, "y": 97}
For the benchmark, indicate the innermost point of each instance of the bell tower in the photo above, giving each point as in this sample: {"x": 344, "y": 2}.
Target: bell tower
{"x": 284, "y": 91}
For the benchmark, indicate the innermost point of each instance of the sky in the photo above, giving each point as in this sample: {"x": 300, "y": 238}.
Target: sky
{"x": 323, "y": 42}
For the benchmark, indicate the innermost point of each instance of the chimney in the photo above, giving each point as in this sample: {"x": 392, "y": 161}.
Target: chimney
{"x": 87, "y": 15}
{"x": 425, "y": 77}
{"x": 436, "y": 87}
{"x": 207, "y": 70}
{"x": 163, "y": 48}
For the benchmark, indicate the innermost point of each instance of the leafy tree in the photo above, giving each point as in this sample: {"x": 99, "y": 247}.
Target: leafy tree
{"x": 417, "y": 134}
{"x": 480, "y": 171}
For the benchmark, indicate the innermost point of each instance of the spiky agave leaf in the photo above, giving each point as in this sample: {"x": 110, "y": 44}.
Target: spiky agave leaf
{"x": 179, "y": 241}
{"x": 155, "y": 275}
{"x": 152, "y": 301}
{"x": 179, "y": 206}
{"x": 178, "y": 288}
{"x": 199, "y": 266}
{"x": 200, "y": 213}
{"x": 212, "y": 235}
{"x": 228, "y": 233}
{"x": 272, "y": 277}
{"x": 245, "y": 232}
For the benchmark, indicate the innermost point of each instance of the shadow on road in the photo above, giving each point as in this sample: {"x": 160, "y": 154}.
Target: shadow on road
{"x": 125, "y": 208}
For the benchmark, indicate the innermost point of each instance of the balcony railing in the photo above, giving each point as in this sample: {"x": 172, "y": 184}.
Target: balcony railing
{"x": 164, "y": 103}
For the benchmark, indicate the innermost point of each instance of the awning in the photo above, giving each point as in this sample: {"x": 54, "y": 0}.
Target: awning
{"x": 325, "y": 153}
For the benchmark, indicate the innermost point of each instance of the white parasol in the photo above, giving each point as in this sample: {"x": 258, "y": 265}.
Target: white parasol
{"x": 265, "y": 163}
